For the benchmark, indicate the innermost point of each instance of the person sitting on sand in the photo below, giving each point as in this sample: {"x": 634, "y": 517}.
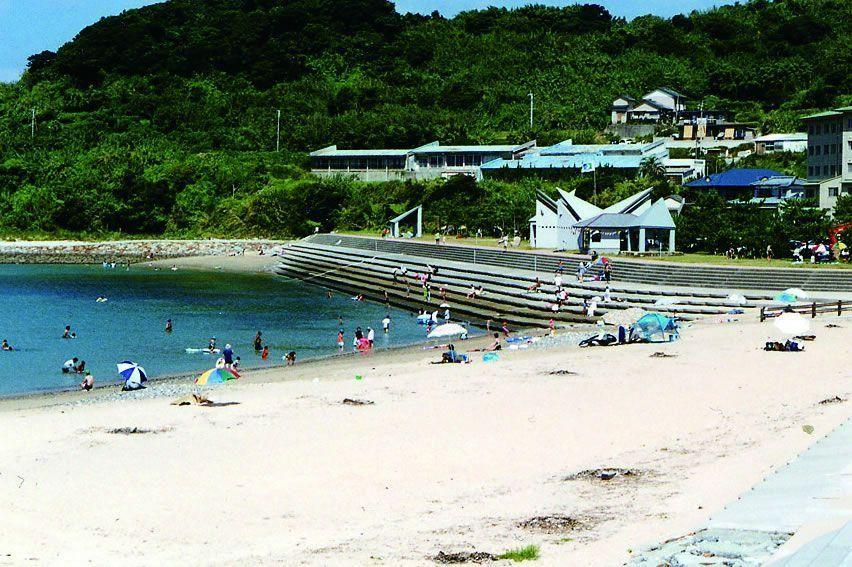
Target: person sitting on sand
{"x": 290, "y": 358}
{"x": 494, "y": 345}
{"x": 69, "y": 365}
{"x": 6, "y": 345}
{"x": 535, "y": 286}
{"x": 88, "y": 382}
{"x": 472, "y": 293}
{"x": 452, "y": 357}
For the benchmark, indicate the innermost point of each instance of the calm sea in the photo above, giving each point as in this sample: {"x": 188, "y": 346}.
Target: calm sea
{"x": 38, "y": 301}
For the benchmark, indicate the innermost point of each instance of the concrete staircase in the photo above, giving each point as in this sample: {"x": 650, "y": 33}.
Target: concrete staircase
{"x": 624, "y": 270}
{"x": 507, "y": 296}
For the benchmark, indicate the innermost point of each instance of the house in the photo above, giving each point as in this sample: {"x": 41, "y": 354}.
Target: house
{"x": 429, "y": 161}
{"x": 771, "y": 192}
{"x": 621, "y": 107}
{"x": 703, "y": 128}
{"x": 734, "y": 183}
{"x": 830, "y": 155}
{"x": 774, "y": 143}
{"x": 570, "y": 223}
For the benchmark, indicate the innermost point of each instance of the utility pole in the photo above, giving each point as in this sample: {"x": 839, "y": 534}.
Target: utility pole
{"x": 278, "y": 133}
{"x": 532, "y": 105}
{"x": 32, "y": 126}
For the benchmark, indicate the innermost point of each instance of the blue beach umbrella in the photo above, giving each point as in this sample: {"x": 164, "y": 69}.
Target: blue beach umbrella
{"x": 132, "y": 373}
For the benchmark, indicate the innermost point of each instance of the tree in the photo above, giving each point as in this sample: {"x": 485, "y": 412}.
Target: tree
{"x": 652, "y": 168}
{"x": 843, "y": 209}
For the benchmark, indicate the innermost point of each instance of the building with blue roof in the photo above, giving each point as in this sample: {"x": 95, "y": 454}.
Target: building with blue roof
{"x": 771, "y": 192}
{"x": 734, "y": 183}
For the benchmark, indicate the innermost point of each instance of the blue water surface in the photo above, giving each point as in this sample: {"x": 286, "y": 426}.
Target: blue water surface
{"x": 36, "y": 302}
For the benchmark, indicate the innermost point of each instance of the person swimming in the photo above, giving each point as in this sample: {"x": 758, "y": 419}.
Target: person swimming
{"x": 68, "y": 334}
{"x": 212, "y": 345}
{"x": 5, "y": 345}
{"x": 169, "y": 325}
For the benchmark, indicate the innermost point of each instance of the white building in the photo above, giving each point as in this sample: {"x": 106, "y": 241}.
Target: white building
{"x": 558, "y": 223}
{"x": 774, "y": 143}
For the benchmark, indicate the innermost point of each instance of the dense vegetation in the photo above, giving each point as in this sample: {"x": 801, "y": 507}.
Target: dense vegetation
{"x": 163, "y": 119}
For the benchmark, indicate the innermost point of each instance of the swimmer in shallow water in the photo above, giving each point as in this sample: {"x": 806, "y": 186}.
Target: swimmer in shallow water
{"x": 68, "y": 334}
{"x": 168, "y": 325}
{"x": 212, "y": 345}
{"x": 6, "y": 345}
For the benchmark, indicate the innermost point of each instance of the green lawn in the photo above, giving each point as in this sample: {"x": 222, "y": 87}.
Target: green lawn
{"x": 759, "y": 262}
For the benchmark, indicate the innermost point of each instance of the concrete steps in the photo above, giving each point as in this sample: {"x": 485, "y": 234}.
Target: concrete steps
{"x": 360, "y": 270}
{"x": 646, "y": 272}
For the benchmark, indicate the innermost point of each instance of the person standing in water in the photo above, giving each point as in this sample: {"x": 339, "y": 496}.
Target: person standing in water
{"x": 168, "y": 325}
{"x": 258, "y": 342}
{"x": 212, "y": 345}
{"x": 67, "y": 334}
{"x": 386, "y": 324}
{"x": 340, "y": 340}
{"x": 371, "y": 335}
{"x": 228, "y": 355}
{"x": 264, "y": 353}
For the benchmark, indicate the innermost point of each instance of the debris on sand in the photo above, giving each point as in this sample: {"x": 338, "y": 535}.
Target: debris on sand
{"x": 555, "y": 524}
{"x": 834, "y": 400}
{"x": 605, "y": 474}
{"x": 463, "y": 557}
{"x": 353, "y": 402}
{"x": 135, "y": 430}
{"x": 561, "y": 373}
{"x": 663, "y": 355}
{"x": 833, "y": 326}
{"x": 192, "y": 399}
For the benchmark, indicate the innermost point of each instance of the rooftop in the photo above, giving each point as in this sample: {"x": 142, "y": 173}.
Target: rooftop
{"x": 779, "y": 181}
{"x": 825, "y": 114}
{"x": 791, "y": 137}
{"x": 332, "y": 151}
{"x": 734, "y": 178}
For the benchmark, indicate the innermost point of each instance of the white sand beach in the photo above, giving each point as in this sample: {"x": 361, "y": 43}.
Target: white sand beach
{"x": 451, "y": 457}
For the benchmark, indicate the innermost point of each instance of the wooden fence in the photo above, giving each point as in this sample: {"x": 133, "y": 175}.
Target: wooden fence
{"x": 813, "y": 309}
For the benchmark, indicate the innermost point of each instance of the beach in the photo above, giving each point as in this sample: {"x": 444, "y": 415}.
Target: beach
{"x": 446, "y": 458}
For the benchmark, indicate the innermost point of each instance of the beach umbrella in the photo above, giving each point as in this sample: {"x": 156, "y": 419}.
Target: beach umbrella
{"x": 447, "y": 330}
{"x": 736, "y": 299}
{"x": 132, "y": 373}
{"x": 792, "y": 324}
{"x": 798, "y": 292}
{"x": 216, "y": 376}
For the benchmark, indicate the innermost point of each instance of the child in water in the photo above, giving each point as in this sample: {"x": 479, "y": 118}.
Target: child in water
{"x": 290, "y": 358}
{"x": 265, "y": 353}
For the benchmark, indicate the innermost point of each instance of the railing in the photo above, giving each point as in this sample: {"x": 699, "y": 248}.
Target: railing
{"x": 814, "y": 309}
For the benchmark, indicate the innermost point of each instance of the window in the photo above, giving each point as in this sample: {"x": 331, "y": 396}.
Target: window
{"x": 849, "y": 167}
{"x": 825, "y": 149}
{"x": 825, "y": 170}
{"x": 834, "y": 148}
{"x": 811, "y": 170}
{"x": 834, "y": 128}
{"x": 811, "y": 150}
{"x": 833, "y": 191}
{"x": 819, "y": 150}
{"x": 810, "y": 128}
{"x": 817, "y": 129}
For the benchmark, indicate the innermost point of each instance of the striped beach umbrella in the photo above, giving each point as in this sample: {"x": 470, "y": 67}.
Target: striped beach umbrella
{"x": 216, "y": 376}
{"x": 132, "y": 373}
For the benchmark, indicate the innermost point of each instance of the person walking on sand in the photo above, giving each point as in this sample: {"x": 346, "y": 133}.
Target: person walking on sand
{"x": 168, "y": 325}
{"x": 258, "y": 342}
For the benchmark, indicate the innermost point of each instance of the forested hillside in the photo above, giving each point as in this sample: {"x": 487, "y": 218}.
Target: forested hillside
{"x": 163, "y": 119}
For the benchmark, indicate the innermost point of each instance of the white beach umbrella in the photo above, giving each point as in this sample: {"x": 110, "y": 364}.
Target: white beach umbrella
{"x": 792, "y": 324}
{"x": 798, "y": 292}
{"x": 447, "y": 330}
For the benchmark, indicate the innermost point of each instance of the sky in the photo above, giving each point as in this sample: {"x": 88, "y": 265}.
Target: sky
{"x": 32, "y": 26}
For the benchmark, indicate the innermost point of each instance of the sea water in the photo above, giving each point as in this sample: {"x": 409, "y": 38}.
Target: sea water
{"x": 37, "y": 302}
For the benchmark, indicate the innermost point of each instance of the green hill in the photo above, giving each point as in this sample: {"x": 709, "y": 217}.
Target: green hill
{"x": 160, "y": 119}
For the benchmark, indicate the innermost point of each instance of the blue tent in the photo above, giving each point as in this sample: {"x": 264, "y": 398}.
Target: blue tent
{"x": 655, "y": 328}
